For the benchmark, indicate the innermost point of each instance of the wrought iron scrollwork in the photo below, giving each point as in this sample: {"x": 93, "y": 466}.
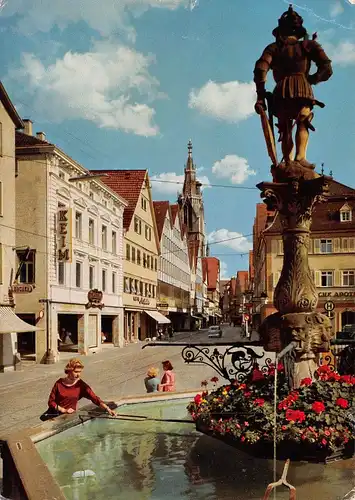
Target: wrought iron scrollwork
{"x": 235, "y": 363}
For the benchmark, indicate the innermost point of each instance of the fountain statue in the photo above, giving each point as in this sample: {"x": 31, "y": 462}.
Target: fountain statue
{"x": 295, "y": 190}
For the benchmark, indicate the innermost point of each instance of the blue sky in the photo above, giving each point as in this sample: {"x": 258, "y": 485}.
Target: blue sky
{"x": 126, "y": 84}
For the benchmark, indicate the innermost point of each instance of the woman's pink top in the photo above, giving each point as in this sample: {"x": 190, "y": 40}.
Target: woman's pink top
{"x": 68, "y": 396}
{"x": 167, "y": 383}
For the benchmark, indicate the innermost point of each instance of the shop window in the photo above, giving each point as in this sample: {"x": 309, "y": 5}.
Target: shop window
{"x": 348, "y": 278}
{"x": 91, "y": 232}
{"x": 91, "y": 277}
{"x": 78, "y": 225}
{"x": 27, "y": 260}
{"x": 327, "y": 278}
{"x": 326, "y": 246}
{"x": 78, "y": 274}
{"x": 61, "y": 273}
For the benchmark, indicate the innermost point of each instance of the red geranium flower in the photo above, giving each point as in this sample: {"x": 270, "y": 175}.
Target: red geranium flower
{"x": 306, "y": 381}
{"x": 295, "y": 415}
{"x": 198, "y": 399}
{"x": 204, "y": 383}
{"x": 318, "y": 407}
{"x": 343, "y": 403}
{"x": 284, "y": 427}
{"x": 259, "y": 401}
{"x": 214, "y": 379}
{"x": 247, "y": 394}
{"x": 280, "y": 367}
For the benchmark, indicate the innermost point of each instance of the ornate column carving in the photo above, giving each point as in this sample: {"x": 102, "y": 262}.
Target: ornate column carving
{"x": 295, "y": 296}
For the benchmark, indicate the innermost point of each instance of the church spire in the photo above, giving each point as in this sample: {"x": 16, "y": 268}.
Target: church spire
{"x": 190, "y": 162}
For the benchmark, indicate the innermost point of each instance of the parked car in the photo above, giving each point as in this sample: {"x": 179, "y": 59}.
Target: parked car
{"x": 215, "y": 331}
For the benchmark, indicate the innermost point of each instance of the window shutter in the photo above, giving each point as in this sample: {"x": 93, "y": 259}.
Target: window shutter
{"x": 317, "y": 278}
{"x": 336, "y": 245}
{"x": 351, "y": 244}
{"x": 316, "y": 246}
{"x": 337, "y": 278}
{"x": 281, "y": 247}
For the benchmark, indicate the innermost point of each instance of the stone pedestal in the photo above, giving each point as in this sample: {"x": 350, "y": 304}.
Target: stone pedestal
{"x": 295, "y": 296}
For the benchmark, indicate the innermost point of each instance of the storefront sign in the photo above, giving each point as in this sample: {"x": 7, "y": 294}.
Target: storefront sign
{"x": 22, "y": 288}
{"x": 95, "y": 299}
{"x": 336, "y": 294}
{"x": 64, "y": 236}
{"x": 141, "y": 300}
{"x": 162, "y": 305}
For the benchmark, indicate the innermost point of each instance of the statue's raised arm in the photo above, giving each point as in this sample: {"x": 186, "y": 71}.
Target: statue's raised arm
{"x": 292, "y": 101}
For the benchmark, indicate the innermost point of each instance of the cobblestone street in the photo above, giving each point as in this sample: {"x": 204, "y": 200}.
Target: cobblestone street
{"x": 112, "y": 373}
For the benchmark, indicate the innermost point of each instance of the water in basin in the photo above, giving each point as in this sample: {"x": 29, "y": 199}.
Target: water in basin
{"x": 163, "y": 461}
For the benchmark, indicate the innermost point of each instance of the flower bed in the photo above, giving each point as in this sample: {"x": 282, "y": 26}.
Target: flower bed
{"x": 312, "y": 422}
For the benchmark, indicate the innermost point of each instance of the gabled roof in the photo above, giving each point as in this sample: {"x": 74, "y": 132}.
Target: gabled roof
{"x": 160, "y": 210}
{"x": 210, "y": 266}
{"x": 174, "y": 211}
{"x": 128, "y": 184}
{"x": 10, "y": 108}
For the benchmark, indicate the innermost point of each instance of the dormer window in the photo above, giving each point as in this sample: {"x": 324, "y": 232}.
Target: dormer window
{"x": 346, "y": 213}
{"x": 345, "y": 216}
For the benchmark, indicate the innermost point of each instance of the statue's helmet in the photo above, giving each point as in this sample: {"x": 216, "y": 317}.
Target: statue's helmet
{"x": 290, "y": 23}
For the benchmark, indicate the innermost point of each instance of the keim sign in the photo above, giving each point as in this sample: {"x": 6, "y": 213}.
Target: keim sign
{"x": 141, "y": 300}
{"x": 64, "y": 236}
{"x": 336, "y": 294}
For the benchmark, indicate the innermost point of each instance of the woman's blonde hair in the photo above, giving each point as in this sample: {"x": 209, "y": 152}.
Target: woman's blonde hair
{"x": 72, "y": 365}
{"x": 152, "y": 372}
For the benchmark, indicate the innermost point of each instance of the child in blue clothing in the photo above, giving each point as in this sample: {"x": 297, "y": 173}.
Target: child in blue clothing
{"x": 152, "y": 381}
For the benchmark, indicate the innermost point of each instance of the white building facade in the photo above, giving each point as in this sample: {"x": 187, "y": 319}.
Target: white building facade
{"x": 77, "y": 279}
{"x": 174, "y": 276}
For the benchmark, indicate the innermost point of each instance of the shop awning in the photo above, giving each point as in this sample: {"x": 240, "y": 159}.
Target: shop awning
{"x": 10, "y": 323}
{"x": 159, "y": 318}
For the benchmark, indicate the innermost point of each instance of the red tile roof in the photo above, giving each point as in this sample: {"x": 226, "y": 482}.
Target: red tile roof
{"x": 326, "y": 215}
{"x": 174, "y": 211}
{"x": 128, "y": 184}
{"x": 25, "y": 140}
{"x": 160, "y": 209}
{"x": 211, "y": 267}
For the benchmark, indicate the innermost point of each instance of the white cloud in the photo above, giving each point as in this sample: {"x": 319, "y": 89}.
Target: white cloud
{"x": 223, "y": 270}
{"x": 230, "y": 239}
{"x": 234, "y": 168}
{"x": 336, "y": 9}
{"x": 343, "y": 53}
{"x": 230, "y": 101}
{"x": 105, "y": 16}
{"x": 172, "y": 183}
{"x": 110, "y": 86}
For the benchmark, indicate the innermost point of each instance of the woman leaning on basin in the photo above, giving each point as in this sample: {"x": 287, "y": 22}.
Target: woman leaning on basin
{"x": 67, "y": 391}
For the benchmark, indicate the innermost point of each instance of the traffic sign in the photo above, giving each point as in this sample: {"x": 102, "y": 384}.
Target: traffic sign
{"x": 246, "y": 317}
{"x": 329, "y": 305}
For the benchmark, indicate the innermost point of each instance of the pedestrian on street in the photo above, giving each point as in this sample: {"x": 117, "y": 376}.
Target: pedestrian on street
{"x": 152, "y": 381}
{"x": 67, "y": 391}
{"x": 167, "y": 383}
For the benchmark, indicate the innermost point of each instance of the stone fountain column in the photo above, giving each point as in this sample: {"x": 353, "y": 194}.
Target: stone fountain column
{"x": 295, "y": 296}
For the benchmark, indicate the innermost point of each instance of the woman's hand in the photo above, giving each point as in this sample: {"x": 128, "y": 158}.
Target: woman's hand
{"x": 111, "y": 412}
{"x": 70, "y": 410}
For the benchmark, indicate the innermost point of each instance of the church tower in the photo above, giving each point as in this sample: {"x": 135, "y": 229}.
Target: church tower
{"x": 193, "y": 222}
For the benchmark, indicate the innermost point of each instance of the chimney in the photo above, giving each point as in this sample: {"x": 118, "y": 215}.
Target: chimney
{"x": 28, "y": 126}
{"x": 41, "y": 136}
